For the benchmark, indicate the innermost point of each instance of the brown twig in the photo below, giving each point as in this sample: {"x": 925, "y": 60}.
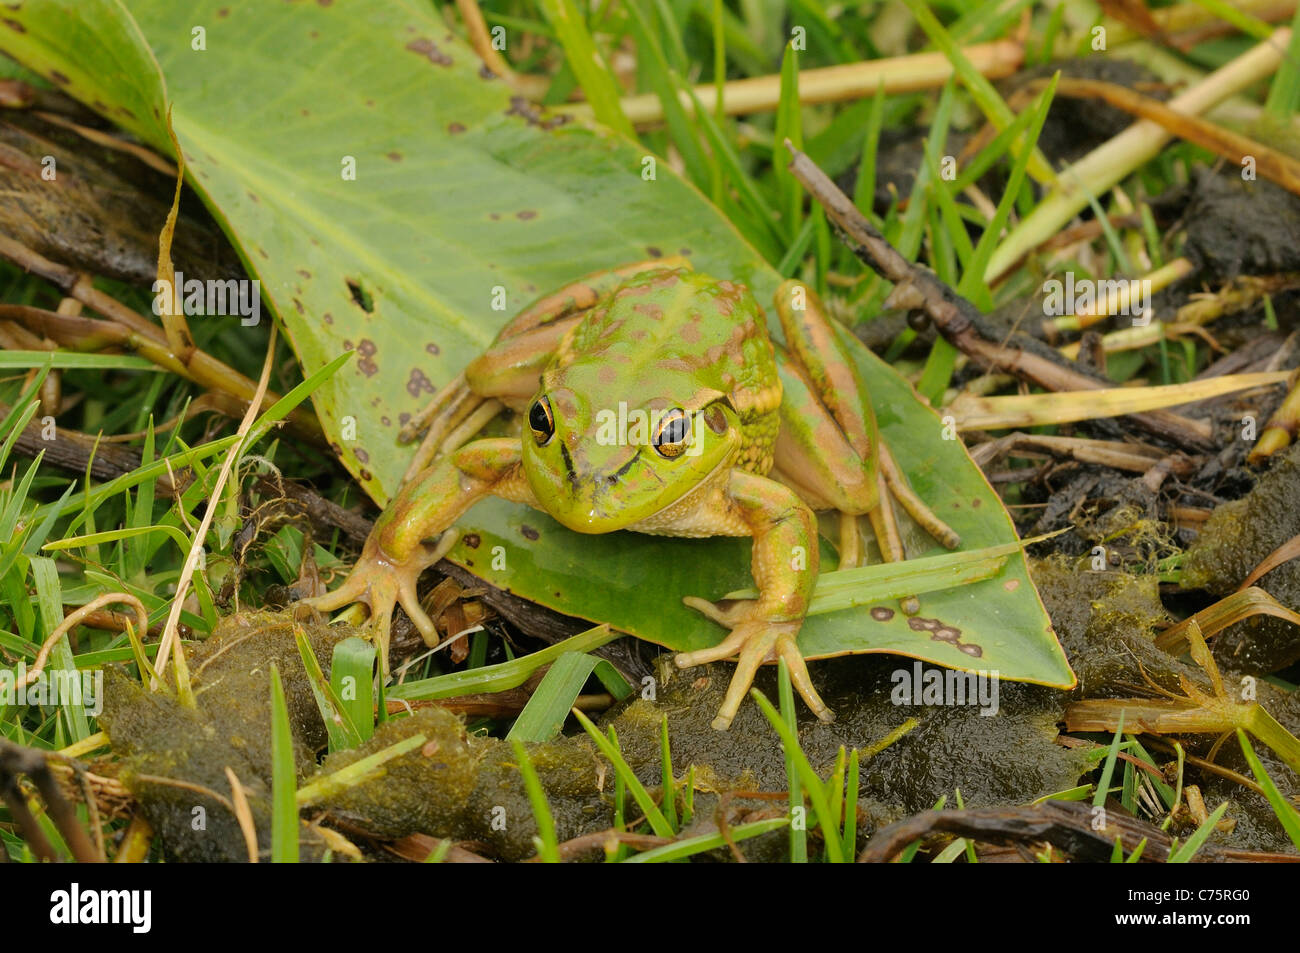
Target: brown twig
{"x": 16, "y": 760}
{"x": 127, "y": 329}
{"x": 917, "y": 289}
{"x": 72, "y": 619}
{"x": 1066, "y": 825}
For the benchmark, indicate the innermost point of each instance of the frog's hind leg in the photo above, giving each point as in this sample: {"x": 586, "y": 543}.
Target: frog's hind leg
{"x": 506, "y": 373}
{"x": 916, "y": 508}
{"x": 828, "y": 450}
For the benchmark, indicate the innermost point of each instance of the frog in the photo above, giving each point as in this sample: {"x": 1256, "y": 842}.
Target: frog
{"x": 736, "y": 435}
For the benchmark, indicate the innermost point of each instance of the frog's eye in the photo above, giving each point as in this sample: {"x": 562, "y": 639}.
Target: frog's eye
{"x": 541, "y": 422}
{"x": 673, "y": 433}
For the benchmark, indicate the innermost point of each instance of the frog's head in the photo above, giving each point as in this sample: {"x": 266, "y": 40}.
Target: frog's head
{"x": 635, "y": 415}
{"x": 597, "y": 468}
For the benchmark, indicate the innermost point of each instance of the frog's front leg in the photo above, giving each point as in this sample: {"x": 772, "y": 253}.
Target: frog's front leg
{"x": 413, "y": 534}
{"x": 784, "y": 566}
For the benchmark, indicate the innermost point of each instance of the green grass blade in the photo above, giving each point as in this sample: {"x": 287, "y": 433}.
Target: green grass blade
{"x": 343, "y": 734}
{"x": 177, "y": 461}
{"x": 504, "y": 675}
{"x": 1187, "y": 850}
{"x": 757, "y": 206}
{"x": 286, "y": 404}
{"x": 284, "y": 779}
{"x": 588, "y": 65}
{"x": 798, "y": 832}
{"x": 788, "y": 126}
{"x": 15, "y": 422}
{"x": 864, "y": 190}
{"x": 547, "y": 845}
{"x": 1247, "y": 24}
{"x": 62, "y": 670}
{"x": 999, "y": 146}
{"x": 74, "y": 360}
{"x": 952, "y": 851}
{"x": 613, "y": 681}
{"x": 336, "y": 782}
{"x": 669, "y": 799}
{"x": 609, "y": 748}
{"x": 813, "y": 784}
{"x": 1108, "y": 769}
{"x": 352, "y": 679}
{"x": 974, "y": 278}
{"x": 981, "y": 90}
{"x": 681, "y": 130}
{"x": 1287, "y": 815}
{"x": 851, "y": 805}
{"x": 1284, "y": 92}
{"x": 846, "y": 588}
{"x": 690, "y": 846}
{"x": 544, "y": 715}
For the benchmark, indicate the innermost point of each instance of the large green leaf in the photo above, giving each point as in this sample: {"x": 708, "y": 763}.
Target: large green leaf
{"x": 465, "y": 198}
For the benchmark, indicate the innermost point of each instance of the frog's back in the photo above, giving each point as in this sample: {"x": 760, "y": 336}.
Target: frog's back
{"x": 675, "y": 337}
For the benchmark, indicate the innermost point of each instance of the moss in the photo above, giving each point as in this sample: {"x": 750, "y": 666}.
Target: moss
{"x": 1006, "y": 758}
{"x": 1106, "y": 622}
{"x": 421, "y": 791}
{"x": 1235, "y": 540}
{"x": 171, "y": 755}
{"x": 578, "y": 785}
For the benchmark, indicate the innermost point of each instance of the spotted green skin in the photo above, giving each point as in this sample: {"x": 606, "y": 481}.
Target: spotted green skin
{"x": 664, "y": 340}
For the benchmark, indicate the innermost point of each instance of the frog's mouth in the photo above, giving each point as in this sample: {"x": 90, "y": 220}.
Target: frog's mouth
{"x": 606, "y": 502}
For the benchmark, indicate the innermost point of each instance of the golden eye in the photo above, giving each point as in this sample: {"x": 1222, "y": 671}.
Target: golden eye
{"x": 541, "y": 422}
{"x": 674, "y": 433}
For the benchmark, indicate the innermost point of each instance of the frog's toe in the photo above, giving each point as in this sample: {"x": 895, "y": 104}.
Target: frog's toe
{"x": 351, "y": 590}
{"x": 724, "y": 650}
{"x": 727, "y": 612}
{"x": 410, "y": 602}
{"x": 758, "y": 648}
{"x": 757, "y": 642}
{"x": 787, "y": 649}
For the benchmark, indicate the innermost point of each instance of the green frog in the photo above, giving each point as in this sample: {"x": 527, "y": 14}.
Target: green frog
{"x": 730, "y": 435}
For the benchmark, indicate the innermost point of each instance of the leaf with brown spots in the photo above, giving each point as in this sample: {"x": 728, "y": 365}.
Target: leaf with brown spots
{"x": 409, "y": 252}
